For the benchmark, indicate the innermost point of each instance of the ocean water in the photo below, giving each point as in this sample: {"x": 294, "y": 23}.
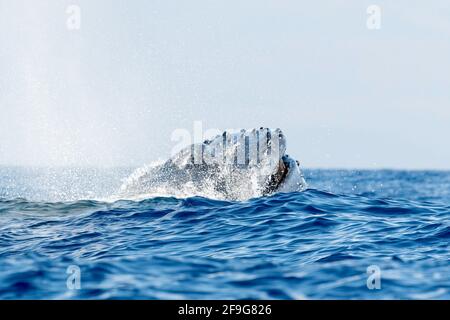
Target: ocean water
{"x": 62, "y": 237}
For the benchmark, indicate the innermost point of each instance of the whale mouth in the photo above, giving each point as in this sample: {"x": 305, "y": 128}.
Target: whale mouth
{"x": 232, "y": 166}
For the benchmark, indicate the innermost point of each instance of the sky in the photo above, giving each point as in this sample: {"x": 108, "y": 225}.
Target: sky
{"x": 111, "y": 90}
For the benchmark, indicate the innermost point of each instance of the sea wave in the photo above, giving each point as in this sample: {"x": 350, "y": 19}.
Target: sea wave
{"x": 314, "y": 244}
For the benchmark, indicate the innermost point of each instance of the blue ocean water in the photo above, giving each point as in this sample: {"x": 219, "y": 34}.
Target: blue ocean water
{"x": 317, "y": 244}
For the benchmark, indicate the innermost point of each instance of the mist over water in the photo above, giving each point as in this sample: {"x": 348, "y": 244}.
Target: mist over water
{"x": 112, "y": 92}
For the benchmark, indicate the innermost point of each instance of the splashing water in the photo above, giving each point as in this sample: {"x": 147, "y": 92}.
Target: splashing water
{"x": 243, "y": 184}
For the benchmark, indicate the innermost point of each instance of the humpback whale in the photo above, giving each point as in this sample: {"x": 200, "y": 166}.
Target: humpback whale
{"x": 231, "y": 166}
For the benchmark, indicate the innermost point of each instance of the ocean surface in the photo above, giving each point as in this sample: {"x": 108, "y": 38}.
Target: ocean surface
{"x": 352, "y": 235}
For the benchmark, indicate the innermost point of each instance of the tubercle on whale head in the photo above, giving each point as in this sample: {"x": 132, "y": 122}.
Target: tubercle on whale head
{"x": 243, "y": 148}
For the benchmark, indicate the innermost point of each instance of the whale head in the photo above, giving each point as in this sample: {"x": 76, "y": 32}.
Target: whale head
{"x": 233, "y": 165}
{"x": 246, "y": 161}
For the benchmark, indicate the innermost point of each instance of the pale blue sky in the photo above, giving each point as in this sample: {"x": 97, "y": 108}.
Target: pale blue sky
{"x": 112, "y": 92}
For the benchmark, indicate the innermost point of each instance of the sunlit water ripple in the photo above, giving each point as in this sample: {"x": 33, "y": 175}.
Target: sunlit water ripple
{"x": 311, "y": 245}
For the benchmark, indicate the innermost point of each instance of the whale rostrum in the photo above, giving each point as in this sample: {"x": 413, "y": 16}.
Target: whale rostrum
{"x": 230, "y": 166}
